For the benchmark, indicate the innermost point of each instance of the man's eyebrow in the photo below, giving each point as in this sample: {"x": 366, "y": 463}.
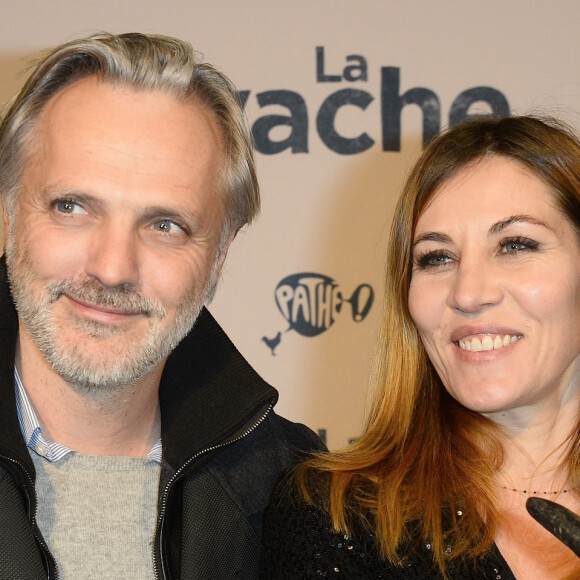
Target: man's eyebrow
{"x": 150, "y": 212}
{"x": 501, "y": 225}
{"x": 166, "y": 212}
{"x": 57, "y": 192}
{"x": 432, "y": 237}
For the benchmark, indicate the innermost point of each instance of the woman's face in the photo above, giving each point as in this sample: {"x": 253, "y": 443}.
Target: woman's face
{"x": 495, "y": 290}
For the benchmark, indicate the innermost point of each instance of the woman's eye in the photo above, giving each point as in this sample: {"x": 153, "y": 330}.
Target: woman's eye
{"x": 517, "y": 245}
{"x": 167, "y": 227}
{"x": 67, "y": 206}
{"x": 433, "y": 260}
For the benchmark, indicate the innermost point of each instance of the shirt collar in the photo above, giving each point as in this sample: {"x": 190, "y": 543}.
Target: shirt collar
{"x": 32, "y": 432}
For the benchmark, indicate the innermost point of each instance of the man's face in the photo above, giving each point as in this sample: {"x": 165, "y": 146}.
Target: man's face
{"x": 114, "y": 243}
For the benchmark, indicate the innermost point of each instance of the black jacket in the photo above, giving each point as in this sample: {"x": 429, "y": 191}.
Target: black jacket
{"x": 223, "y": 450}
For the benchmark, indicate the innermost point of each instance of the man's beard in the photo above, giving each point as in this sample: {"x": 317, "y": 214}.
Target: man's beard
{"x": 118, "y": 364}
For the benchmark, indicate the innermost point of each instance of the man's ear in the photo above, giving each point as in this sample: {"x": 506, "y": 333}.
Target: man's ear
{"x": 6, "y": 222}
{"x": 217, "y": 267}
{"x": 223, "y": 252}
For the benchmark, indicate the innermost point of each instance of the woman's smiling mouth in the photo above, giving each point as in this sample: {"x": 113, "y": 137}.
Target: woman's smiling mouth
{"x": 488, "y": 342}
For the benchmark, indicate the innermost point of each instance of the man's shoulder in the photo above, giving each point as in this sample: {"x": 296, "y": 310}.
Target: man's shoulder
{"x": 276, "y": 443}
{"x": 288, "y": 432}
{"x": 248, "y": 468}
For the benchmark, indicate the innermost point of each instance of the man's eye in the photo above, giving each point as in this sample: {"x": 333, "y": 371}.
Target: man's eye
{"x": 67, "y": 206}
{"x": 167, "y": 227}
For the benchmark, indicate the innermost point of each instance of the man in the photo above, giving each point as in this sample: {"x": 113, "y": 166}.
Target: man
{"x": 131, "y": 445}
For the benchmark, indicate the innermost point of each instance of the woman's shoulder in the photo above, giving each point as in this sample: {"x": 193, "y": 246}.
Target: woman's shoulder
{"x": 300, "y": 486}
{"x": 299, "y": 541}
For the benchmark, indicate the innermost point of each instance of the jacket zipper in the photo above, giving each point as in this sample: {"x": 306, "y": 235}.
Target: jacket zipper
{"x": 46, "y": 552}
{"x": 161, "y": 517}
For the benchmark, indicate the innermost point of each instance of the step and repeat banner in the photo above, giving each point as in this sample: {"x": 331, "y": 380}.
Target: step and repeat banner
{"x": 340, "y": 96}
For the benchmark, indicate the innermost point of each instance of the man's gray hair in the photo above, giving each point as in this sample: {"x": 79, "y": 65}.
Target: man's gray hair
{"x": 146, "y": 62}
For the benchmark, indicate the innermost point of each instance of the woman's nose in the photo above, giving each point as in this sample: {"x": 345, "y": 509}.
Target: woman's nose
{"x": 475, "y": 286}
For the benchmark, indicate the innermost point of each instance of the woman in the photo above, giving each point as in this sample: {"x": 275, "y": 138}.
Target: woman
{"x": 478, "y": 377}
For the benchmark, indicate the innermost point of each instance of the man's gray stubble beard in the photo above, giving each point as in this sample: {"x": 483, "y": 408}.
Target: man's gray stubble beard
{"x": 116, "y": 370}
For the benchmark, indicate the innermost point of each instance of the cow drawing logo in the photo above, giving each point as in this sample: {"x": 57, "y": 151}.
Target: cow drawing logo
{"x": 310, "y": 303}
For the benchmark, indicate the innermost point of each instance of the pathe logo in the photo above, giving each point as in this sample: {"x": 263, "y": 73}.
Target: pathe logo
{"x": 310, "y": 303}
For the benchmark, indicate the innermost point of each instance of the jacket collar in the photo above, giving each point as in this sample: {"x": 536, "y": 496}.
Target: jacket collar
{"x": 208, "y": 391}
{"x": 11, "y": 440}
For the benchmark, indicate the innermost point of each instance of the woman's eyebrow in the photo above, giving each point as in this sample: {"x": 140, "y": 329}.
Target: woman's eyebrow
{"x": 496, "y": 228}
{"x": 501, "y": 225}
{"x": 432, "y": 237}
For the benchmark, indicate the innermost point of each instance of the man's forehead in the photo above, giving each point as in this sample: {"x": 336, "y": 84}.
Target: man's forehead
{"x": 103, "y": 95}
{"x": 97, "y": 138}
{"x": 92, "y": 113}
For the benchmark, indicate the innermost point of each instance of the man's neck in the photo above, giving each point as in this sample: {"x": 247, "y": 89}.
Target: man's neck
{"x": 127, "y": 422}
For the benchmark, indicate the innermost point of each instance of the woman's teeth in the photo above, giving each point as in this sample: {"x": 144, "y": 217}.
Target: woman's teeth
{"x": 488, "y": 342}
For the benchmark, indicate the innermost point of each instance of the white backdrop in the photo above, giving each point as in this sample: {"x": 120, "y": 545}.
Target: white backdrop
{"x": 326, "y": 212}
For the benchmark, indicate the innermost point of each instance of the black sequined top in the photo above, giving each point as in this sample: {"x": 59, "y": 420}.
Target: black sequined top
{"x": 299, "y": 542}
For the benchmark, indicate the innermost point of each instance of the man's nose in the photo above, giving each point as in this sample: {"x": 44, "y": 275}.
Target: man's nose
{"x": 476, "y": 285}
{"x": 113, "y": 256}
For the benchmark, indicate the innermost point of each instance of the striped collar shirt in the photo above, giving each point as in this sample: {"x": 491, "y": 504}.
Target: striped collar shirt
{"x": 32, "y": 432}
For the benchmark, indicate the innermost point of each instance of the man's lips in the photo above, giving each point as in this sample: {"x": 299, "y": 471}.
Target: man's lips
{"x": 91, "y": 296}
{"x": 105, "y": 309}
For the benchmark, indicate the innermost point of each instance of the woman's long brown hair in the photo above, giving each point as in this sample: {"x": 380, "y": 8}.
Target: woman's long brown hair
{"x": 424, "y": 467}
